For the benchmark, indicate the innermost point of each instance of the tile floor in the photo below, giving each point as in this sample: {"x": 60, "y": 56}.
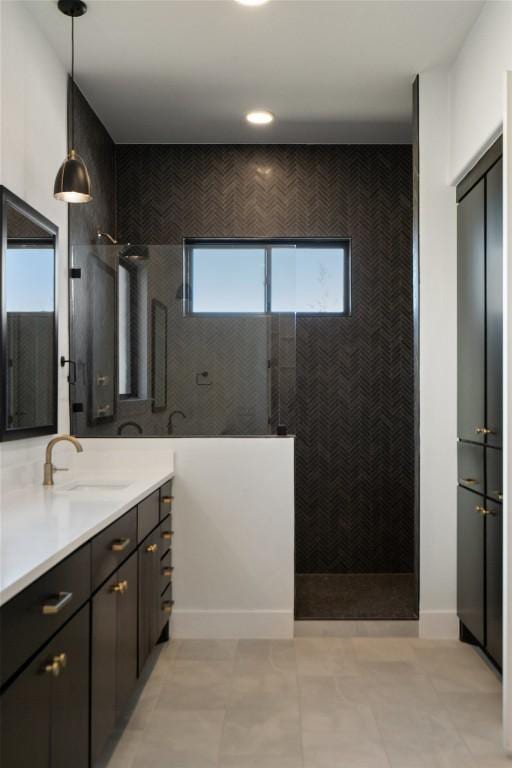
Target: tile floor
{"x": 315, "y": 702}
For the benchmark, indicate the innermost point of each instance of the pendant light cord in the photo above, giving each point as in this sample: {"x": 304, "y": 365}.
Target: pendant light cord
{"x": 72, "y": 82}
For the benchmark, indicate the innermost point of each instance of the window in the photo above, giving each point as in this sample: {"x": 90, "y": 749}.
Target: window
{"x": 253, "y": 277}
{"x": 127, "y": 329}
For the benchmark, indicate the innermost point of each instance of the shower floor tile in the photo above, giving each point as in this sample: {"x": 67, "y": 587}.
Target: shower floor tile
{"x": 355, "y": 596}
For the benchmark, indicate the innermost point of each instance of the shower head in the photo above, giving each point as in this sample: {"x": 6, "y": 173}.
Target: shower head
{"x": 105, "y": 235}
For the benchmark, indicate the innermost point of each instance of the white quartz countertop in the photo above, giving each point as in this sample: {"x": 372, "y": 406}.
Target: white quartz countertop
{"x": 40, "y": 526}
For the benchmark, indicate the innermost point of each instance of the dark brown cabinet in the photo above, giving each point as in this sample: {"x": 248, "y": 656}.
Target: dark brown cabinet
{"x": 113, "y": 652}
{"x": 471, "y": 314}
{"x": 45, "y": 712}
{"x": 470, "y": 563}
{"x": 74, "y": 641}
{"x": 480, "y": 369}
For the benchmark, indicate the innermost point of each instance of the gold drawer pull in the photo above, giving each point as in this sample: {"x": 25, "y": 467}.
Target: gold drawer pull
{"x": 151, "y": 548}
{"x": 167, "y": 499}
{"x": 120, "y": 587}
{"x": 167, "y": 571}
{"x": 167, "y": 606}
{"x": 483, "y": 431}
{"x": 499, "y": 495}
{"x": 57, "y": 603}
{"x": 167, "y": 535}
{"x": 119, "y": 545}
{"x": 58, "y": 663}
{"x": 470, "y": 480}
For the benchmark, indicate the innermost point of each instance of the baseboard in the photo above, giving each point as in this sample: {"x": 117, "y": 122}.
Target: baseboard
{"x": 439, "y": 625}
{"x": 240, "y": 625}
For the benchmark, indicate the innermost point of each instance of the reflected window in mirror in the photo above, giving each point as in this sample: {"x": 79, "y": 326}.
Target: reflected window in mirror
{"x": 29, "y": 329}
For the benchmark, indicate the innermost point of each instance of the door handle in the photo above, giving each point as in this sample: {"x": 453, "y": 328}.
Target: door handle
{"x": 483, "y": 431}
{"x": 167, "y": 535}
{"x": 167, "y": 499}
{"x": 151, "y": 548}
{"x": 57, "y": 603}
{"x": 483, "y": 511}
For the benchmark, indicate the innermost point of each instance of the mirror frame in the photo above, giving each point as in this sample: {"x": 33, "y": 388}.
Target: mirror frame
{"x": 9, "y": 199}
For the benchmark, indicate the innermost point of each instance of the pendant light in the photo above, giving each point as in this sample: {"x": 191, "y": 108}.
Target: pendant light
{"x": 72, "y": 183}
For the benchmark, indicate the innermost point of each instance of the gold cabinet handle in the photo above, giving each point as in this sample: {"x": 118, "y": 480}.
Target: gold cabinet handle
{"x": 167, "y": 499}
{"x": 58, "y": 663}
{"x": 53, "y": 668}
{"x": 56, "y": 603}
{"x": 483, "y": 511}
{"x": 167, "y": 535}
{"x": 151, "y": 548}
{"x": 499, "y": 495}
{"x": 62, "y": 660}
{"x": 470, "y": 480}
{"x": 167, "y": 571}
{"x": 119, "y": 545}
{"x": 167, "y": 606}
{"x": 483, "y": 431}
{"x": 120, "y": 587}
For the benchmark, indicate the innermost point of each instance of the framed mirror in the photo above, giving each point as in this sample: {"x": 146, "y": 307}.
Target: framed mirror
{"x": 159, "y": 356}
{"x": 28, "y": 347}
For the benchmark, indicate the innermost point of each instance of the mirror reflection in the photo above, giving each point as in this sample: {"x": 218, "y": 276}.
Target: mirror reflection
{"x": 29, "y": 377}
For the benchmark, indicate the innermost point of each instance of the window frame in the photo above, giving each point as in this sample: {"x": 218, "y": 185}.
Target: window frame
{"x": 133, "y": 334}
{"x": 267, "y": 244}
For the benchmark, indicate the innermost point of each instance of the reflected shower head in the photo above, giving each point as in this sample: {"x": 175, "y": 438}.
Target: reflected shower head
{"x": 134, "y": 252}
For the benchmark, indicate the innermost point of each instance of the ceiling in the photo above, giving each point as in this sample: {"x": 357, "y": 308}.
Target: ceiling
{"x": 187, "y": 71}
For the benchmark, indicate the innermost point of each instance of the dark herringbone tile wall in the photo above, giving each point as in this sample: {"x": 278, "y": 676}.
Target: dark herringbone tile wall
{"x": 355, "y": 439}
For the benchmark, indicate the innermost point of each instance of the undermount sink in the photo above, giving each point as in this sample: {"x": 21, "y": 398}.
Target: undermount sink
{"x": 84, "y": 487}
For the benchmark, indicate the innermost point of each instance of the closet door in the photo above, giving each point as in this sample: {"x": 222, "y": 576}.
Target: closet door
{"x": 494, "y": 580}
{"x": 494, "y": 204}
{"x": 471, "y": 315}
{"x": 470, "y": 562}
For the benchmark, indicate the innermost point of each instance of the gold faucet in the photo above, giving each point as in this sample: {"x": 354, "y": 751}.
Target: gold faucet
{"x": 49, "y": 469}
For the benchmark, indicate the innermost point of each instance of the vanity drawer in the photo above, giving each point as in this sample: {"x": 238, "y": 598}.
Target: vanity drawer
{"x": 471, "y": 466}
{"x": 166, "y": 606}
{"x": 165, "y": 571}
{"x": 32, "y": 617}
{"x": 112, "y": 546}
{"x": 166, "y": 499}
{"x": 494, "y": 461}
{"x": 148, "y": 515}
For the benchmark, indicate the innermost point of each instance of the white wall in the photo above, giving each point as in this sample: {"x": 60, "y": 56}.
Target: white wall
{"x": 438, "y": 363}
{"x": 233, "y": 518}
{"x": 477, "y": 86}
{"x": 32, "y": 147}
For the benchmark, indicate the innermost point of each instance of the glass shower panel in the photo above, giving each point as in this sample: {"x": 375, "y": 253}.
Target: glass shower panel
{"x": 146, "y": 365}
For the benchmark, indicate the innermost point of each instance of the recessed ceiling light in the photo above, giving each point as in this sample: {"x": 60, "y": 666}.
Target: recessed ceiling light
{"x": 252, "y": 2}
{"x": 259, "y": 117}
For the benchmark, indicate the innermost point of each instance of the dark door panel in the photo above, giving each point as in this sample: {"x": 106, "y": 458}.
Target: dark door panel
{"x": 471, "y": 466}
{"x": 126, "y": 661}
{"x": 70, "y": 695}
{"x": 103, "y": 669}
{"x": 471, "y": 314}
{"x": 494, "y": 315}
{"x": 470, "y": 562}
{"x": 494, "y": 588}
{"x": 25, "y": 721}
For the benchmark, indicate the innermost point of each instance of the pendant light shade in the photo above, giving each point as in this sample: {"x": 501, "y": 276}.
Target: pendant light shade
{"x": 72, "y": 183}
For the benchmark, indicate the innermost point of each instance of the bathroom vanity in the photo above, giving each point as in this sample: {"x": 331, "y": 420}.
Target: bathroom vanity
{"x": 86, "y": 595}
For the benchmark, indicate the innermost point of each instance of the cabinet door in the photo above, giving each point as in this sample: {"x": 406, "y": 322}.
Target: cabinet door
{"x": 470, "y": 562}
{"x": 149, "y": 594}
{"x": 126, "y": 660}
{"x": 25, "y": 721}
{"x": 70, "y": 695}
{"x": 494, "y": 558}
{"x": 494, "y": 316}
{"x": 471, "y": 314}
{"x": 103, "y": 669}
